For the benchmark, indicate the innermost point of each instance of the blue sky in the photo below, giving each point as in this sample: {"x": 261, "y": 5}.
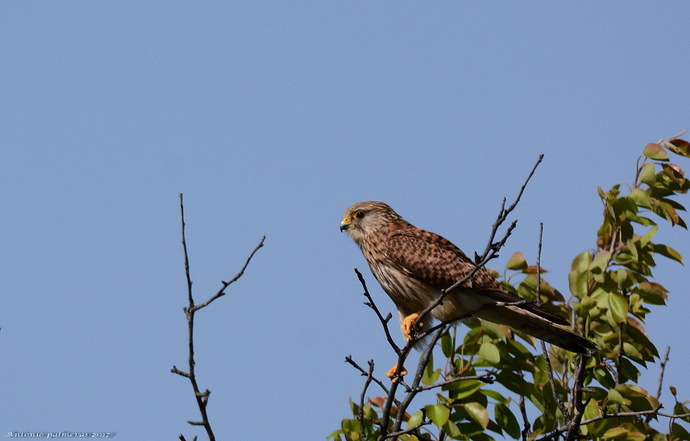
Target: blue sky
{"x": 272, "y": 118}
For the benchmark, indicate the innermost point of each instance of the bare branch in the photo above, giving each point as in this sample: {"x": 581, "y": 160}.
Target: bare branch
{"x": 366, "y": 374}
{"x": 384, "y": 320}
{"x": 408, "y": 430}
{"x": 577, "y": 407}
{"x": 661, "y": 372}
{"x": 488, "y": 378}
{"x": 433, "y": 335}
{"x": 492, "y": 248}
{"x": 190, "y": 310}
{"x": 221, "y": 291}
{"x": 525, "y": 421}
{"x": 552, "y": 382}
{"x": 362, "y": 397}
{"x": 502, "y": 216}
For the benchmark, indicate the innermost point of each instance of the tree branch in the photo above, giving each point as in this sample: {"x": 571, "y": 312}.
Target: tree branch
{"x": 384, "y": 320}
{"x": 366, "y": 374}
{"x": 661, "y": 372}
{"x": 190, "y": 310}
{"x": 549, "y": 368}
{"x": 491, "y": 252}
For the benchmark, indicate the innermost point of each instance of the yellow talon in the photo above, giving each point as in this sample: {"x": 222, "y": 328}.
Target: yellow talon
{"x": 407, "y": 325}
{"x": 393, "y": 373}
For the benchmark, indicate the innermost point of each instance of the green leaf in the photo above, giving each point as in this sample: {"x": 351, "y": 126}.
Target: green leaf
{"x": 515, "y": 383}
{"x": 655, "y": 152}
{"x": 478, "y": 413}
{"x": 640, "y": 197}
{"x": 438, "y": 413}
{"x": 592, "y": 410}
{"x": 453, "y": 431}
{"x": 619, "y": 307}
{"x": 679, "y": 431}
{"x": 464, "y": 389}
{"x": 644, "y": 240}
{"x": 447, "y": 345}
{"x": 616, "y": 397}
{"x": 632, "y": 352}
{"x": 516, "y": 262}
{"x": 667, "y": 251}
{"x": 647, "y": 175}
{"x": 507, "y": 420}
{"x": 495, "y": 395}
{"x": 681, "y": 409}
{"x": 415, "y": 419}
{"x": 489, "y": 352}
{"x": 429, "y": 376}
{"x": 598, "y": 266}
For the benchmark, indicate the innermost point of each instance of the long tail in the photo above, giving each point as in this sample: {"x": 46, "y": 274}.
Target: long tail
{"x": 534, "y": 324}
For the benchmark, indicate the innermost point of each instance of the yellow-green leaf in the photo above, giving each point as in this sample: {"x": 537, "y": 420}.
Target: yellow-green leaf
{"x": 453, "y": 430}
{"x": 667, "y": 251}
{"x": 415, "y": 419}
{"x": 616, "y": 397}
{"x": 506, "y": 420}
{"x": 516, "y": 262}
{"x": 648, "y": 174}
{"x": 438, "y": 413}
{"x": 648, "y": 236}
{"x": 656, "y": 152}
{"x": 489, "y": 352}
{"x": 619, "y": 307}
{"x": 478, "y": 413}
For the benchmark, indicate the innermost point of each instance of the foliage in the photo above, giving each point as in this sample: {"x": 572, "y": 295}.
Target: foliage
{"x": 487, "y": 377}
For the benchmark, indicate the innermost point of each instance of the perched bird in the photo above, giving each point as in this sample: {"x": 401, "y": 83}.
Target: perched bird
{"x": 413, "y": 266}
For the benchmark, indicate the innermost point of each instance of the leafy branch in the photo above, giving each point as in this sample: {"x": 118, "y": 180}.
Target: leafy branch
{"x": 576, "y": 398}
{"x": 393, "y": 410}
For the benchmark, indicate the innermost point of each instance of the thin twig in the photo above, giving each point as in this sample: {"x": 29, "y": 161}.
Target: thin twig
{"x": 492, "y": 248}
{"x": 525, "y": 421}
{"x": 408, "y": 430}
{"x": 366, "y": 373}
{"x": 414, "y": 389}
{"x": 661, "y": 372}
{"x": 488, "y": 378}
{"x": 384, "y": 320}
{"x": 360, "y": 415}
{"x": 577, "y": 406}
{"x": 190, "y": 310}
{"x": 221, "y": 291}
{"x": 491, "y": 252}
{"x": 552, "y": 382}
{"x": 504, "y": 212}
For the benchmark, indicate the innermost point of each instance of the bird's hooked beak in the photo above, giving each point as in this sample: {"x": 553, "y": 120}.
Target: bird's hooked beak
{"x": 345, "y": 224}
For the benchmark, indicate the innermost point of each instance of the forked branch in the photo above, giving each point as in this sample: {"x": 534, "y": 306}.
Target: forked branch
{"x": 189, "y": 311}
{"x": 432, "y": 335}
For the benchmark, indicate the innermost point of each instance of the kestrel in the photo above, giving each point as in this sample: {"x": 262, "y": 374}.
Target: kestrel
{"x": 414, "y": 265}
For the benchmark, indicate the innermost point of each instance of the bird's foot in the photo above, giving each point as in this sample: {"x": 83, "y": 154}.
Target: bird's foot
{"x": 394, "y": 375}
{"x": 408, "y": 327}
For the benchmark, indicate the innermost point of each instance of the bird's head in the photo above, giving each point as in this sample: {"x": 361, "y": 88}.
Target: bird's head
{"x": 364, "y": 218}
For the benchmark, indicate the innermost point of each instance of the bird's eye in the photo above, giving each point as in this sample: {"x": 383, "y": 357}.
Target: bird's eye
{"x": 358, "y": 214}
